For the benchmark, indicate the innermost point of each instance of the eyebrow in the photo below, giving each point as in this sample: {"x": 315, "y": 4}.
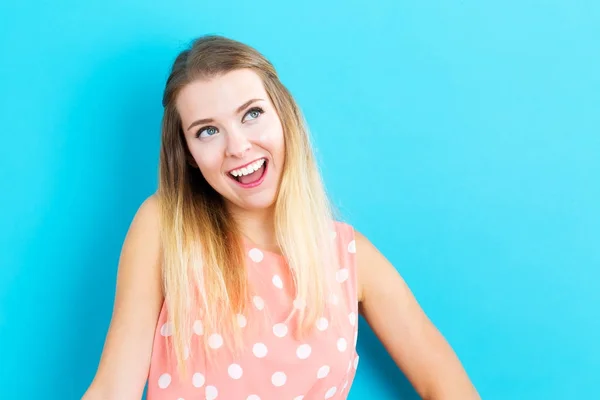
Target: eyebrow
{"x": 207, "y": 120}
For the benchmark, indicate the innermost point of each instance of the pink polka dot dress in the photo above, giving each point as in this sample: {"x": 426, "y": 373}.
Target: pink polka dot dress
{"x": 275, "y": 365}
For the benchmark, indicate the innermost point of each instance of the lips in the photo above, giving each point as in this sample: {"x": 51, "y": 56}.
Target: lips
{"x": 250, "y": 177}
{"x": 247, "y": 169}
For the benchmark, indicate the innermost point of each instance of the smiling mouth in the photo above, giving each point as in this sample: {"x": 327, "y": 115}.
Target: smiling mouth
{"x": 251, "y": 175}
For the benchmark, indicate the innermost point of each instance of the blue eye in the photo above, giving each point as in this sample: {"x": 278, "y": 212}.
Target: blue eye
{"x": 255, "y": 111}
{"x": 206, "y": 132}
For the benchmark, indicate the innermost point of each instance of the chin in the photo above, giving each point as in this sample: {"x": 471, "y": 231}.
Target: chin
{"x": 258, "y": 205}
{"x": 259, "y": 202}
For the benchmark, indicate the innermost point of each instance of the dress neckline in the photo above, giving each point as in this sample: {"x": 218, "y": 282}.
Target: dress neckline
{"x": 249, "y": 245}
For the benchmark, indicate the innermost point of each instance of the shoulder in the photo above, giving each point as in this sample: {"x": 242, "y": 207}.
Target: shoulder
{"x": 141, "y": 247}
{"x": 145, "y": 222}
{"x": 343, "y": 228}
{"x": 371, "y": 265}
{"x": 351, "y": 237}
{"x": 148, "y": 209}
{"x": 368, "y": 261}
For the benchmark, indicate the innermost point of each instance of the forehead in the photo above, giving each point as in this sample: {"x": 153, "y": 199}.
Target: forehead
{"x": 219, "y": 96}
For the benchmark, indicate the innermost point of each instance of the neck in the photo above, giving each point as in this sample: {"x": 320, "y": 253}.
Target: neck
{"x": 258, "y": 226}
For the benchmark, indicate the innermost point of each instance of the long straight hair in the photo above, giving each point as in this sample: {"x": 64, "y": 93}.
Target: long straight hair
{"x": 203, "y": 258}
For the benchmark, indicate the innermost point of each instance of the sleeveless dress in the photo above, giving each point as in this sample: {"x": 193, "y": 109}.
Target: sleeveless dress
{"x": 275, "y": 365}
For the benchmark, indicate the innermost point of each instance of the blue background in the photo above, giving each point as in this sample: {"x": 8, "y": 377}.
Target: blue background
{"x": 462, "y": 137}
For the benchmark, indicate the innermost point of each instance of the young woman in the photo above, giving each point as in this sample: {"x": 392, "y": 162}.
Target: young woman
{"x": 236, "y": 281}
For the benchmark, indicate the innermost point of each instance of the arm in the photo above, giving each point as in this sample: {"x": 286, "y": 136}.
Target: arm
{"x": 412, "y": 341}
{"x": 125, "y": 360}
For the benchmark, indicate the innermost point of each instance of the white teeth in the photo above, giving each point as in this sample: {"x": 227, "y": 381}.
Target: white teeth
{"x": 248, "y": 169}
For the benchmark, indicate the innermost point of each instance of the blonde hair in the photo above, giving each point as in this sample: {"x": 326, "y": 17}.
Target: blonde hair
{"x": 203, "y": 258}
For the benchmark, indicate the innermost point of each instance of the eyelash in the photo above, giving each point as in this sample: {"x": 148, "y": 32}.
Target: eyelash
{"x": 258, "y": 109}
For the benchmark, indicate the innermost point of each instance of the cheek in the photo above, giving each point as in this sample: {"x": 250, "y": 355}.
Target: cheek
{"x": 279, "y": 146}
{"x": 209, "y": 162}
{"x": 271, "y": 139}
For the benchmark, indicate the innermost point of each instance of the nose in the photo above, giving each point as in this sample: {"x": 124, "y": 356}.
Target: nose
{"x": 237, "y": 144}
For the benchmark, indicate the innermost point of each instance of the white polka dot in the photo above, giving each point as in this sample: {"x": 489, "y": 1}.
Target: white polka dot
{"x": 299, "y": 398}
{"x": 259, "y": 350}
{"x": 277, "y": 282}
{"x": 342, "y": 275}
{"x": 235, "y": 371}
{"x": 356, "y": 362}
{"x": 198, "y": 380}
{"x": 215, "y": 341}
{"x": 342, "y": 344}
{"x": 258, "y": 302}
{"x": 352, "y": 318}
{"x": 166, "y": 329}
{"x": 211, "y": 393}
{"x": 181, "y": 398}
{"x": 256, "y": 255}
{"x": 280, "y": 330}
{"x": 330, "y": 392}
{"x": 241, "y": 320}
{"x": 323, "y": 372}
{"x": 278, "y": 379}
{"x": 322, "y": 323}
{"x": 333, "y": 299}
{"x": 303, "y": 351}
{"x": 198, "y": 328}
{"x": 352, "y": 247}
{"x": 253, "y": 397}
{"x": 164, "y": 381}
{"x": 299, "y": 304}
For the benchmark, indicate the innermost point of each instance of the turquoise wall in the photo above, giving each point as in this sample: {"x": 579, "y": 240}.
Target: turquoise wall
{"x": 462, "y": 137}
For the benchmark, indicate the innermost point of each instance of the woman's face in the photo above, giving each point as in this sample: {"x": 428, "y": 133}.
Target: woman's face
{"x": 235, "y": 137}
